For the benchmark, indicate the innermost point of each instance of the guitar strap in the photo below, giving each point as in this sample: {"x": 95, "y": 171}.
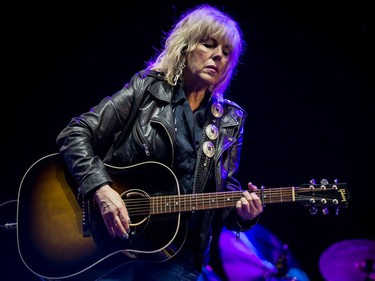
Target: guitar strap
{"x": 207, "y": 148}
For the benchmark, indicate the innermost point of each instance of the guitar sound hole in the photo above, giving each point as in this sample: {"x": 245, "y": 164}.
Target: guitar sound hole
{"x": 138, "y": 205}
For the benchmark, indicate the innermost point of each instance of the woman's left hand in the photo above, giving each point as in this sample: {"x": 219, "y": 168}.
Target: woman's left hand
{"x": 250, "y": 205}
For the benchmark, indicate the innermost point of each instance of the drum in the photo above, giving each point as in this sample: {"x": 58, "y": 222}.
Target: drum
{"x": 258, "y": 255}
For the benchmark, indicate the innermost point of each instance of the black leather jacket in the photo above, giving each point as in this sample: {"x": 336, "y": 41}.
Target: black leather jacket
{"x": 151, "y": 138}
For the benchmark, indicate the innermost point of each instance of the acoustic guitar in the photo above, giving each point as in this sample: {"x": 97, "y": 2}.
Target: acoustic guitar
{"x": 61, "y": 236}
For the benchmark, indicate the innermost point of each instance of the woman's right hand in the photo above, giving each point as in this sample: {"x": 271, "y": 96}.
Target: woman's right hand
{"x": 114, "y": 212}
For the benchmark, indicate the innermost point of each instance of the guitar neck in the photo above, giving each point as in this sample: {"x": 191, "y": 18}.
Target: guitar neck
{"x": 215, "y": 200}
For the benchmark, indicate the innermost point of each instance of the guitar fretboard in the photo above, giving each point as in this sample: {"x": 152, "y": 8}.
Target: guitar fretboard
{"x": 203, "y": 201}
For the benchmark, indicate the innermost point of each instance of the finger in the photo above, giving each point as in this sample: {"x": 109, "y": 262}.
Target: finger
{"x": 119, "y": 228}
{"x": 245, "y": 201}
{"x": 125, "y": 221}
{"x": 243, "y": 206}
{"x": 110, "y": 227}
{"x": 110, "y": 221}
{"x": 252, "y": 187}
{"x": 256, "y": 201}
{"x": 249, "y": 205}
{"x": 243, "y": 209}
{"x": 239, "y": 208}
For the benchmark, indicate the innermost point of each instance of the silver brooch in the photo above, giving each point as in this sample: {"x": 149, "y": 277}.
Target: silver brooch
{"x": 217, "y": 109}
{"x": 212, "y": 132}
{"x": 208, "y": 149}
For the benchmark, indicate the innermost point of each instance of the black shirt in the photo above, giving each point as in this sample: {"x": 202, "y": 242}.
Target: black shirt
{"x": 188, "y": 126}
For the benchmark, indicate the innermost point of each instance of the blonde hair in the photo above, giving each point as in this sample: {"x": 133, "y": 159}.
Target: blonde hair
{"x": 194, "y": 25}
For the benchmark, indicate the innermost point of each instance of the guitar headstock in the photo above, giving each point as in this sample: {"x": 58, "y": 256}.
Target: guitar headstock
{"x": 323, "y": 195}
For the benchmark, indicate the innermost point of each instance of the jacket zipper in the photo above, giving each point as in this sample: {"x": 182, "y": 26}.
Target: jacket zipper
{"x": 141, "y": 141}
{"x": 169, "y": 137}
{"x": 145, "y": 148}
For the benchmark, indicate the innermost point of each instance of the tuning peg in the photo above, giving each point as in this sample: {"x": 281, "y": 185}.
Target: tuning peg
{"x": 325, "y": 211}
{"x": 324, "y": 182}
{"x": 337, "y": 211}
{"x": 336, "y": 181}
{"x": 313, "y": 210}
{"x": 312, "y": 181}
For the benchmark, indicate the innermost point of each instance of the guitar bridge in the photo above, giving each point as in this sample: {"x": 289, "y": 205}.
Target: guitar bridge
{"x": 86, "y": 208}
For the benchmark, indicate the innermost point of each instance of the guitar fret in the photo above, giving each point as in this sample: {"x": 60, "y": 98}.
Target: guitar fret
{"x": 265, "y": 196}
{"x": 228, "y": 200}
{"x": 167, "y": 205}
{"x": 187, "y": 202}
{"x": 181, "y": 203}
{"x": 293, "y": 195}
{"x": 177, "y": 204}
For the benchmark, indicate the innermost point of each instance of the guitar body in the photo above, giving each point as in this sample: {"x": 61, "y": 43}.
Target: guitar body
{"x": 58, "y": 238}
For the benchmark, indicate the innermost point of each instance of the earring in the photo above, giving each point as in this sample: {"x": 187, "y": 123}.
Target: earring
{"x": 179, "y": 71}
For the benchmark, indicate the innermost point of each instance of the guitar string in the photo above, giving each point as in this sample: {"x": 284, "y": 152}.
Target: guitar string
{"x": 169, "y": 204}
{"x": 224, "y": 195}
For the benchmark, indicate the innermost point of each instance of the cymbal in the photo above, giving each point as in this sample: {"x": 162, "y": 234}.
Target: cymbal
{"x": 348, "y": 260}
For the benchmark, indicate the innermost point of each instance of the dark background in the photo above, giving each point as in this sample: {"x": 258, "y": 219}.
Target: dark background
{"x": 306, "y": 82}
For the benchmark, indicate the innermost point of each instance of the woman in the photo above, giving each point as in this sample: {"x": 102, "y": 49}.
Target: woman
{"x": 173, "y": 112}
